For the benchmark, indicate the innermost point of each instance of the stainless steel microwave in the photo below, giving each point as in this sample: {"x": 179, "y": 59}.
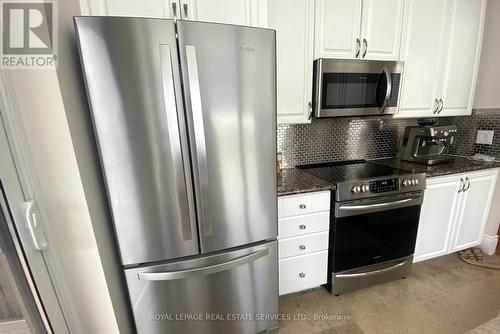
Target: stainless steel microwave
{"x": 356, "y": 87}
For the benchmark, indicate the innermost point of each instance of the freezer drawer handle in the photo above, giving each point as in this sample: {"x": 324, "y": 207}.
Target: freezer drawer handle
{"x": 180, "y": 274}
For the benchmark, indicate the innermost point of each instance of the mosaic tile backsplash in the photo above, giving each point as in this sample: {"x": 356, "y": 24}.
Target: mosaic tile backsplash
{"x": 335, "y": 139}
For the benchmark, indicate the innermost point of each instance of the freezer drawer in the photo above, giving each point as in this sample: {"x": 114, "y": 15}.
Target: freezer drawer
{"x": 182, "y": 297}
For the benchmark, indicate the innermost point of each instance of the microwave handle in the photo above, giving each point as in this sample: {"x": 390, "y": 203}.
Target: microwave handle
{"x": 388, "y": 92}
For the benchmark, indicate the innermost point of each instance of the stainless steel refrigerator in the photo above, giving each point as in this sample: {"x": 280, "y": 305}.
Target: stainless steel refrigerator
{"x": 184, "y": 117}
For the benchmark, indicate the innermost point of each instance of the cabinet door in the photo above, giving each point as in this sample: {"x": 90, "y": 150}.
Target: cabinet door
{"x": 381, "y": 26}
{"x": 240, "y": 12}
{"x": 146, "y": 8}
{"x": 476, "y": 202}
{"x": 466, "y": 20}
{"x": 422, "y": 42}
{"x": 338, "y": 27}
{"x": 437, "y": 217}
{"x": 294, "y": 24}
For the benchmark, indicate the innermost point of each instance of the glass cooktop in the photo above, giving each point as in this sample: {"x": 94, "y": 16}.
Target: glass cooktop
{"x": 336, "y": 172}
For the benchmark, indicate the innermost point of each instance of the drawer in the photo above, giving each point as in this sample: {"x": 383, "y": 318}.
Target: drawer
{"x": 306, "y": 244}
{"x": 306, "y": 224}
{"x": 303, "y": 204}
{"x": 303, "y": 272}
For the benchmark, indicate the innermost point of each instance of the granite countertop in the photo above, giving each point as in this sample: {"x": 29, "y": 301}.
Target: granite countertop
{"x": 295, "y": 181}
{"x": 460, "y": 165}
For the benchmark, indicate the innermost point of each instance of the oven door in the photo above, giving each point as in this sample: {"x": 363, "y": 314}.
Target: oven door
{"x": 372, "y": 231}
{"x": 348, "y": 88}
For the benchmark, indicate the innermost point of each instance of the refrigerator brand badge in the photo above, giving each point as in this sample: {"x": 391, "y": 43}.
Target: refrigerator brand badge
{"x": 29, "y": 34}
{"x": 246, "y": 48}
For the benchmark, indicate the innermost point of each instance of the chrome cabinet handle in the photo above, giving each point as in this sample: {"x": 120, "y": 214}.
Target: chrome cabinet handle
{"x": 212, "y": 269}
{"x": 201, "y": 164}
{"x": 358, "y": 47}
{"x": 365, "y": 43}
{"x": 302, "y": 275}
{"x": 186, "y": 10}
{"x": 302, "y": 247}
{"x": 436, "y": 103}
{"x": 174, "y": 10}
{"x": 30, "y": 220}
{"x": 468, "y": 184}
{"x": 442, "y": 105}
{"x": 302, "y": 226}
{"x": 310, "y": 109}
{"x": 302, "y": 206}
{"x": 462, "y": 185}
{"x": 171, "y": 117}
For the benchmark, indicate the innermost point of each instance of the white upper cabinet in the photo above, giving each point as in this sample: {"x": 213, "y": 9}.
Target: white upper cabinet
{"x": 294, "y": 24}
{"x": 337, "y": 28}
{"x": 241, "y": 12}
{"x": 381, "y": 26}
{"x": 145, "y": 8}
{"x": 489, "y": 72}
{"x": 425, "y": 23}
{"x": 441, "y": 48}
{"x": 350, "y": 29}
{"x": 476, "y": 202}
{"x": 463, "y": 48}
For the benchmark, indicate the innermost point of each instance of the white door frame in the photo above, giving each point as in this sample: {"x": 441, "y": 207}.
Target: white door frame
{"x": 10, "y": 120}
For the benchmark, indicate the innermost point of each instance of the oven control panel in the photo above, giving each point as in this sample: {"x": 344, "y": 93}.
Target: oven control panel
{"x": 354, "y": 190}
{"x": 383, "y": 186}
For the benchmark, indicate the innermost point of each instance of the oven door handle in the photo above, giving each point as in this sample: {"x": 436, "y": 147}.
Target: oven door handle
{"x": 378, "y": 205}
{"x": 374, "y": 272}
{"x": 344, "y": 210}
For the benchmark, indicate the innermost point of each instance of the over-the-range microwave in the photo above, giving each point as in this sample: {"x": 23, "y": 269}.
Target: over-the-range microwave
{"x": 356, "y": 87}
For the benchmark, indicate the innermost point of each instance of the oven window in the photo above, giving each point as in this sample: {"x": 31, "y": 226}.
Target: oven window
{"x": 365, "y": 239}
{"x": 349, "y": 90}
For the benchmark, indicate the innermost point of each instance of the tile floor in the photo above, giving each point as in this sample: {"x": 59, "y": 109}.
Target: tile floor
{"x": 444, "y": 295}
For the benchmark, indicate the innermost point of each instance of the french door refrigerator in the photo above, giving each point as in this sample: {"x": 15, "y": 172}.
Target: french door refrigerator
{"x": 184, "y": 117}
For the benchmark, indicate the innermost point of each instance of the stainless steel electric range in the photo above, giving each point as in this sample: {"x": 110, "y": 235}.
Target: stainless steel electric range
{"x": 374, "y": 222}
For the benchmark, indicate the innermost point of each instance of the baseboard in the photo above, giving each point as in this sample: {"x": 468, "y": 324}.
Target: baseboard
{"x": 489, "y": 244}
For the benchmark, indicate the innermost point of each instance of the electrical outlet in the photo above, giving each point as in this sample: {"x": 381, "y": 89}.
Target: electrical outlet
{"x": 484, "y": 137}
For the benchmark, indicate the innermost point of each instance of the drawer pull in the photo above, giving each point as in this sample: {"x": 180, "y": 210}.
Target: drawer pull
{"x": 302, "y": 206}
{"x": 302, "y": 226}
{"x": 302, "y": 247}
{"x": 302, "y": 275}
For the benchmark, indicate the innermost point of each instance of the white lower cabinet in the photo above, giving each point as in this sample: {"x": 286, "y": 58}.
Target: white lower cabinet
{"x": 303, "y": 232}
{"x": 302, "y": 272}
{"x": 454, "y": 213}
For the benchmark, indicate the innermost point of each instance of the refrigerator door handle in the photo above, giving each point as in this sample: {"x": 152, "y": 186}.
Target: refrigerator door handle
{"x": 201, "y": 181}
{"x": 215, "y": 268}
{"x": 173, "y": 130}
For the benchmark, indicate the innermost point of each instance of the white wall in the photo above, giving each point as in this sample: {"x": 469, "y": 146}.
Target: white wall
{"x": 488, "y": 80}
{"x": 40, "y": 104}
